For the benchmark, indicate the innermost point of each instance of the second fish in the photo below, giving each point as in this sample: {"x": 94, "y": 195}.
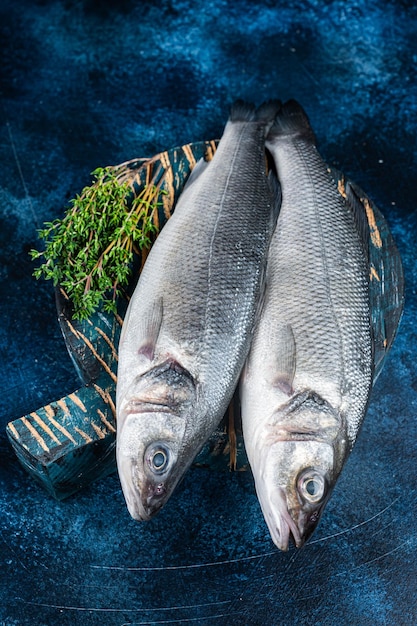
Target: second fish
{"x": 306, "y": 385}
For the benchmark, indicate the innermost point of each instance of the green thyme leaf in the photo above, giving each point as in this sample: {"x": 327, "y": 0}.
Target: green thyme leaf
{"x": 90, "y": 251}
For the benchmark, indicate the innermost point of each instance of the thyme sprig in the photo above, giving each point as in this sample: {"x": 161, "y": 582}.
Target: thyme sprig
{"x": 89, "y": 252}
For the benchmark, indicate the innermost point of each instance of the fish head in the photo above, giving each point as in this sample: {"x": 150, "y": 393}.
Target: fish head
{"x": 300, "y": 456}
{"x": 151, "y": 448}
{"x": 147, "y": 460}
{"x": 293, "y": 487}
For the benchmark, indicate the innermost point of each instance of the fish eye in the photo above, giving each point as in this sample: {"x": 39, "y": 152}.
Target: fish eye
{"x": 312, "y": 486}
{"x": 158, "y": 458}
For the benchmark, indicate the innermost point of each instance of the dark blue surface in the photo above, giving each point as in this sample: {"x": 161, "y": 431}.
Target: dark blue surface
{"x": 88, "y": 83}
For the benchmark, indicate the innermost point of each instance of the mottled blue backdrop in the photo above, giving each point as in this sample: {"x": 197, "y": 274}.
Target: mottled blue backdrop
{"x": 85, "y": 83}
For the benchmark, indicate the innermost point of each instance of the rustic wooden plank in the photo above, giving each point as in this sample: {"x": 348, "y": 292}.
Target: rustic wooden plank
{"x": 70, "y": 442}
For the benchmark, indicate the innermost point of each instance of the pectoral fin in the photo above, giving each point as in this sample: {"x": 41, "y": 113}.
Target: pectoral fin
{"x": 283, "y": 362}
{"x": 149, "y": 328}
{"x": 145, "y": 330}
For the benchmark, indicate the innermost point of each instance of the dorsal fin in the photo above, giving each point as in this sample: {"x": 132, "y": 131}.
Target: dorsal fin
{"x": 359, "y": 215}
{"x": 386, "y": 284}
{"x": 196, "y": 172}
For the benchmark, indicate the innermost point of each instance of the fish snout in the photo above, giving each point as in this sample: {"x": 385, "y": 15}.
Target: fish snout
{"x": 144, "y": 501}
{"x": 143, "y": 508}
{"x": 281, "y": 524}
{"x": 280, "y": 534}
{"x": 155, "y": 497}
{"x": 288, "y": 530}
{"x": 137, "y": 511}
{"x": 131, "y": 483}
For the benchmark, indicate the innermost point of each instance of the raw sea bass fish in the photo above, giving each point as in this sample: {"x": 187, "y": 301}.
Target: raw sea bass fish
{"x": 189, "y": 324}
{"x": 307, "y": 381}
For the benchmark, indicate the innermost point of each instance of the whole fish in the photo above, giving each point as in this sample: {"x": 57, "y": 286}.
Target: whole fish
{"x": 308, "y": 377}
{"x": 188, "y": 327}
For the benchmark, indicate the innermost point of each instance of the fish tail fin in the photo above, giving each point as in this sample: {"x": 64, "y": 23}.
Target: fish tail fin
{"x": 291, "y": 120}
{"x": 242, "y": 111}
{"x": 268, "y": 110}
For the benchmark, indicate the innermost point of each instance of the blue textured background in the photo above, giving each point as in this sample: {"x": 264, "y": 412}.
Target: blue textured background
{"x": 87, "y": 83}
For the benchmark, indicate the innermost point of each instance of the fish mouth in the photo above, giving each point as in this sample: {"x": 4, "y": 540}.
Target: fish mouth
{"x": 143, "y": 508}
{"x": 281, "y": 525}
{"x": 137, "y": 510}
{"x": 140, "y": 511}
{"x": 137, "y": 407}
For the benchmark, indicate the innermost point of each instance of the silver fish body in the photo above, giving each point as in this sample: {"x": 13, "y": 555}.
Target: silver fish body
{"x": 307, "y": 381}
{"x": 188, "y": 327}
